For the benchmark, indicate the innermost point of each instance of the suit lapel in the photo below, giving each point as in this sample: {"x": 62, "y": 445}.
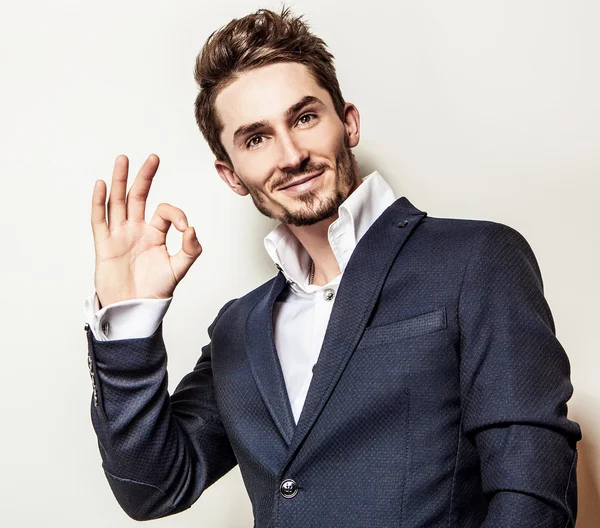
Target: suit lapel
{"x": 264, "y": 363}
{"x": 363, "y": 279}
{"x": 356, "y": 297}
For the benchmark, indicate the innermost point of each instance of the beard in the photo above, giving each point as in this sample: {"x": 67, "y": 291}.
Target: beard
{"x": 314, "y": 208}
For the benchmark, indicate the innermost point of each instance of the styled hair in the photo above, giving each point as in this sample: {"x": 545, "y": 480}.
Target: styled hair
{"x": 256, "y": 40}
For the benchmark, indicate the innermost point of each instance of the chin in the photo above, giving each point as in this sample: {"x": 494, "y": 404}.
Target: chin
{"x": 315, "y": 208}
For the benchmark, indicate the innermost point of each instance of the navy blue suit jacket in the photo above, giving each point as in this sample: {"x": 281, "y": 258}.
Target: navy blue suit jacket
{"x": 439, "y": 397}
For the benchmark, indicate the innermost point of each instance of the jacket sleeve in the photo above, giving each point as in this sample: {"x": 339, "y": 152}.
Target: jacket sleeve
{"x": 159, "y": 452}
{"x": 515, "y": 384}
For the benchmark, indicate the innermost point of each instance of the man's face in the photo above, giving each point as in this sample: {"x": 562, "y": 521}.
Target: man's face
{"x": 289, "y": 149}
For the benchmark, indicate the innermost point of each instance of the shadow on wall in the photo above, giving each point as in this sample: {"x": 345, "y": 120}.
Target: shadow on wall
{"x": 588, "y": 485}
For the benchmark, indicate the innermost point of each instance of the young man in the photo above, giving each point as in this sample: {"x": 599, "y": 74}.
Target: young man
{"x": 400, "y": 369}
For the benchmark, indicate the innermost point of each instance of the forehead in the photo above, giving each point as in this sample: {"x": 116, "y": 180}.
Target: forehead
{"x": 264, "y": 94}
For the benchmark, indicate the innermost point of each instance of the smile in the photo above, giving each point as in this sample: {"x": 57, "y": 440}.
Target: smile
{"x": 303, "y": 184}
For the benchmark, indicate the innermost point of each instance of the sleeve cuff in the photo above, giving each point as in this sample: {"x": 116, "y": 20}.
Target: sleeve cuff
{"x": 136, "y": 318}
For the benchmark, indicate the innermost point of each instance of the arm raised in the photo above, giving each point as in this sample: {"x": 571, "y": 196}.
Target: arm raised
{"x": 132, "y": 260}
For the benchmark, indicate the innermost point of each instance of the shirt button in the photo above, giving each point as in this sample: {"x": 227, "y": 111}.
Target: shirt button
{"x": 329, "y": 294}
{"x": 288, "y": 488}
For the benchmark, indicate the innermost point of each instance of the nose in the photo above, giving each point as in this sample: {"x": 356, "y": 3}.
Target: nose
{"x": 292, "y": 155}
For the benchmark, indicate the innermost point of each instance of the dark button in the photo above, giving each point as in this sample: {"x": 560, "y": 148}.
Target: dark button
{"x": 404, "y": 223}
{"x": 288, "y": 488}
{"x": 86, "y": 327}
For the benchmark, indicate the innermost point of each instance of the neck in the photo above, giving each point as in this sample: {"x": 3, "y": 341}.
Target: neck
{"x": 316, "y": 243}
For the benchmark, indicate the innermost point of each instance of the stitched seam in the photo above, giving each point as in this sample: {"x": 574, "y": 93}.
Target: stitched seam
{"x": 406, "y": 455}
{"x": 462, "y": 283}
{"x": 207, "y": 421}
{"x": 569, "y": 516}
{"x": 454, "y": 474}
{"x": 458, "y": 318}
{"x": 460, "y": 346}
{"x": 135, "y": 482}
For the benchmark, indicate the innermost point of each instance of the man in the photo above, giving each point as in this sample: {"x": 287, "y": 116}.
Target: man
{"x": 400, "y": 369}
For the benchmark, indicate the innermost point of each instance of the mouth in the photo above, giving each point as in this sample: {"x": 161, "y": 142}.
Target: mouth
{"x": 296, "y": 183}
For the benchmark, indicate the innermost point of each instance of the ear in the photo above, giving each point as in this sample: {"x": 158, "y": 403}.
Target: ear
{"x": 352, "y": 124}
{"x": 229, "y": 176}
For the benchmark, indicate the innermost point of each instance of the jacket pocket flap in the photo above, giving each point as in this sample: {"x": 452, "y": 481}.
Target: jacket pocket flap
{"x": 411, "y": 327}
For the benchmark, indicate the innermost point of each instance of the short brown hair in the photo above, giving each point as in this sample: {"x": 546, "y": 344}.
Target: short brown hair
{"x": 258, "y": 39}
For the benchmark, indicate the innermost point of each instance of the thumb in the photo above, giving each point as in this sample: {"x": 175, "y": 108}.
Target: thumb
{"x": 190, "y": 250}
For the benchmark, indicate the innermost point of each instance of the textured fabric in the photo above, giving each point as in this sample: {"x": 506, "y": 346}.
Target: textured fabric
{"x": 439, "y": 397}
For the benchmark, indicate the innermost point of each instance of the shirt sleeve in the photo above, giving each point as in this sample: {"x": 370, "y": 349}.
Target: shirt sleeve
{"x": 132, "y": 319}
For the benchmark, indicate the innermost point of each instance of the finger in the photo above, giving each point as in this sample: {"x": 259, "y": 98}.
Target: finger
{"x": 117, "y": 213}
{"x": 167, "y": 214}
{"x": 187, "y": 255}
{"x": 99, "y": 227}
{"x": 136, "y": 198}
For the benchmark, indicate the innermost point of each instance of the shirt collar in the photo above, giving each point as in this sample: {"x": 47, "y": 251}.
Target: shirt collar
{"x": 355, "y": 216}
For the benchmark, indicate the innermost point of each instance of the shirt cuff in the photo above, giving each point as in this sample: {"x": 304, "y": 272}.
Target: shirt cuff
{"x": 136, "y": 318}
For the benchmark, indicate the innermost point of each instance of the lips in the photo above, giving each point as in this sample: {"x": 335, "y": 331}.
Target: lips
{"x": 302, "y": 180}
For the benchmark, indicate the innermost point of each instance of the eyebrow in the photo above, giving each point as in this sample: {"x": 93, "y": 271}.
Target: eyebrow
{"x": 244, "y": 130}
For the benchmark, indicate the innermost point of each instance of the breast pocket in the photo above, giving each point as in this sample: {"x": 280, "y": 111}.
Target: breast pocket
{"x": 418, "y": 325}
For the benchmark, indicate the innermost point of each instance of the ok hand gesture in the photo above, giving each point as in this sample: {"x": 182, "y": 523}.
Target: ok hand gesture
{"x": 132, "y": 260}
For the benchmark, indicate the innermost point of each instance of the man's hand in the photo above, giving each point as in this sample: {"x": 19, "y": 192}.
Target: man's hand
{"x": 132, "y": 260}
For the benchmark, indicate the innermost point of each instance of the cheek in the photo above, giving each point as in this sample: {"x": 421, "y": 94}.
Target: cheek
{"x": 252, "y": 172}
{"x": 328, "y": 140}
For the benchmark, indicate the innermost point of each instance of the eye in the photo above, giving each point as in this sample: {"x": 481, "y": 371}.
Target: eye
{"x": 304, "y": 118}
{"x": 251, "y": 143}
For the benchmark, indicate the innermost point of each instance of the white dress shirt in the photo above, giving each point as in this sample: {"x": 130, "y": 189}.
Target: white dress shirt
{"x": 300, "y": 315}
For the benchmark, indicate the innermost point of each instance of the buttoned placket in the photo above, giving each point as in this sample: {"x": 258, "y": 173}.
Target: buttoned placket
{"x": 323, "y": 298}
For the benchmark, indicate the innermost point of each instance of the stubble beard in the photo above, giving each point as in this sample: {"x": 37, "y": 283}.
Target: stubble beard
{"x": 314, "y": 207}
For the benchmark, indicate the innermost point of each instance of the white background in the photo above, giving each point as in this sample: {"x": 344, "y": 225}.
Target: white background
{"x": 471, "y": 109}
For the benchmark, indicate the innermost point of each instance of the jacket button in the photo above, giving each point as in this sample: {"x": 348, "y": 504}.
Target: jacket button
{"x": 288, "y": 488}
